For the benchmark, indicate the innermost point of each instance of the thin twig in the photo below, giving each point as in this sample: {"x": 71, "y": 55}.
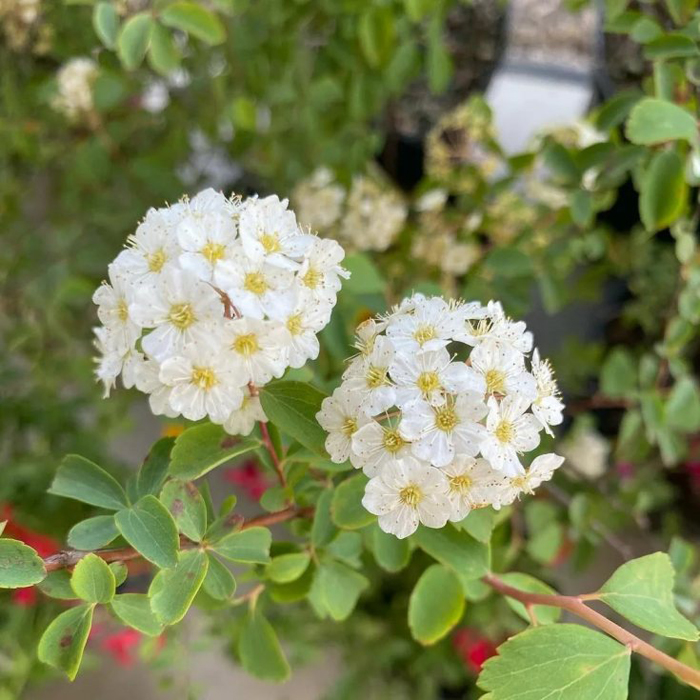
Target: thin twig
{"x": 267, "y": 441}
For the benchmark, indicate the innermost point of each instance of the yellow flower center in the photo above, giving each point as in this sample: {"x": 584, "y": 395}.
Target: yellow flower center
{"x": 270, "y": 242}
{"x": 495, "y": 382}
{"x": 349, "y": 427}
{"x": 213, "y": 251}
{"x": 203, "y": 377}
{"x": 424, "y": 333}
{"x": 504, "y": 431}
{"x": 294, "y": 324}
{"x": 520, "y": 482}
{"x": 446, "y": 419}
{"x": 376, "y": 376}
{"x": 181, "y": 316}
{"x": 411, "y": 496}
{"x": 392, "y": 441}
{"x": 312, "y": 278}
{"x": 156, "y": 260}
{"x": 428, "y": 381}
{"x": 246, "y": 344}
{"x": 479, "y": 328}
{"x": 122, "y": 311}
{"x": 460, "y": 483}
{"x": 255, "y": 282}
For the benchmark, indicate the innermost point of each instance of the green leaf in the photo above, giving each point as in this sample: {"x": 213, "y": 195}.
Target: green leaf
{"x": 93, "y": 580}
{"x": 219, "y": 582}
{"x": 187, "y": 507}
{"x": 133, "y": 39}
{"x": 544, "y": 614}
{"x": 20, "y": 565}
{"x": 251, "y": 546}
{"x": 340, "y": 587}
{"x": 642, "y": 591}
{"x": 134, "y": 610}
{"x": 63, "y": 643}
{"x": 347, "y": 510}
{"x": 93, "y": 533}
{"x": 462, "y": 553}
{"x": 480, "y": 524}
{"x": 150, "y": 529}
{"x": 436, "y": 604}
{"x": 57, "y": 585}
{"x": 391, "y": 553}
{"x": 292, "y": 407}
{"x": 120, "y": 571}
{"x": 155, "y": 468}
{"x": 260, "y": 651}
{"x": 196, "y": 20}
{"x": 582, "y": 208}
{"x": 377, "y": 34}
{"x": 163, "y": 54}
{"x": 683, "y": 406}
{"x": 105, "y": 20}
{"x": 618, "y": 377}
{"x": 439, "y": 66}
{"x": 287, "y": 567}
{"x": 567, "y": 662}
{"x": 173, "y": 590}
{"x": 82, "y": 480}
{"x": 200, "y": 449}
{"x": 671, "y": 46}
{"x": 654, "y": 121}
{"x": 323, "y": 530}
{"x": 365, "y": 277}
{"x": 664, "y": 192}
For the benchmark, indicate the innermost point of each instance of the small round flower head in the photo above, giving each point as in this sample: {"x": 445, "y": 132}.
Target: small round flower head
{"x": 210, "y": 299}
{"x": 445, "y": 395}
{"x": 74, "y": 80}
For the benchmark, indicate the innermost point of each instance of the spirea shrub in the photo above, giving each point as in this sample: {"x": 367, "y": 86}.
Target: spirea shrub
{"x": 438, "y": 409}
{"x": 212, "y": 298}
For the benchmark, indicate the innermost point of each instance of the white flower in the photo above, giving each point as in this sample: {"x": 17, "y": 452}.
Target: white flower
{"x": 473, "y": 483}
{"x": 375, "y": 446}
{"x": 269, "y": 233}
{"x": 341, "y": 416}
{"x": 438, "y": 432}
{"x": 503, "y": 370}
{"x": 113, "y": 311}
{"x": 254, "y": 287}
{"x": 587, "y": 451}
{"x": 75, "y": 80}
{"x": 255, "y": 348}
{"x": 542, "y": 469}
{"x": 148, "y": 381}
{"x": 319, "y": 200}
{"x": 369, "y": 376}
{"x": 432, "y": 200}
{"x": 510, "y": 432}
{"x": 428, "y": 375}
{"x": 243, "y": 419}
{"x": 203, "y": 382}
{"x": 478, "y": 324}
{"x": 430, "y": 326}
{"x": 321, "y": 271}
{"x": 547, "y": 406}
{"x": 180, "y": 308}
{"x": 405, "y": 494}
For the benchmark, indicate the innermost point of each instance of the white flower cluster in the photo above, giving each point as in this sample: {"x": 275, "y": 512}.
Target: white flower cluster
{"x": 74, "y": 80}
{"x": 438, "y": 408}
{"x": 211, "y": 299}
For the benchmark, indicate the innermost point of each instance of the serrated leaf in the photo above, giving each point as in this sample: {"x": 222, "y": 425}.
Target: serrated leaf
{"x": 251, "y": 546}
{"x": 20, "y": 565}
{"x": 462, "y": 553}
{"x": 187, "y": 507}
{"x": 173, "y": 590}
{"x": 133, "y": 39}
{"x": 105, "y": 20}
{"x": 391, "y": 553}
{"x": 260, "y": 651}
{"x": 154, "y": 469}
{"x": 93, "y": 533}
{"x": 196, "y": 20}
{"x": 347, "y": 510}
{"x": 642, "y": 591}
{"x": 292, "y": 407}
{"x": 569, "y": 662}
{"x": 93, "y": 580}
{"x": 150, "y": 529}
{"x": 340, "y": 588}
{"x": 287, "y": 567}
{"x": 219, "y": 582}
{"x": 200, "y": 449}
{"x": 544, "y": 614}
{"x": 63, "y": 643}
{"x": 82, "y": 480}
{"x": 664, "y": 192}
{"x": 436, "y": 604}
{"x": 163, "y": 54}
{"x": 134, "y": 610}
{"x": 653, "y": 121}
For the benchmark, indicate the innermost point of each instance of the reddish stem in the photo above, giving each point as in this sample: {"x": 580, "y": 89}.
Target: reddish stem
{"x": 267, "y": 441}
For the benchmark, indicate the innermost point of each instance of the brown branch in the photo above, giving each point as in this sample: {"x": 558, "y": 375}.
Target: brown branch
{"x": 576, "y": 606}
{"x": 596, "y": 401}
{"x": 267, "y": 441}
{"x": 70, "y": 557}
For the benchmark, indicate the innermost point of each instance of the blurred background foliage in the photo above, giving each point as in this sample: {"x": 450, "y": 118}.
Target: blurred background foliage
{"x": 367, "y": 114}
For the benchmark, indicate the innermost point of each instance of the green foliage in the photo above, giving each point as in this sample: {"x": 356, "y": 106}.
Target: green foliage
{"x": 155, "y": 468}
{"x": 63, "y": 643}
{"x": 82, "y": 480}
{"x": 467, "y": 557}
{"x": 338, "y": 588}
{"x": 219, "y": 582}
{"x": 544, "y": 614}
{"x": 664, "y": 191}
{"x": 347, "y": 510}
{"x": 251, "y": 546}
{"x": 653, "y": 121}
{"x": 260, "y": 651}
{"x": 192, "y": 18}
{"x": 187, "y": 507}
{"x": 93, "y": 533}
{"x": 134, "y": 38}
{"x": 19, "y": 565}
{"x": 134, "y": 610}
{"x": 287, "y": 567}
{"x": 391, "y": 553}
{"x": 93, "y": 580}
